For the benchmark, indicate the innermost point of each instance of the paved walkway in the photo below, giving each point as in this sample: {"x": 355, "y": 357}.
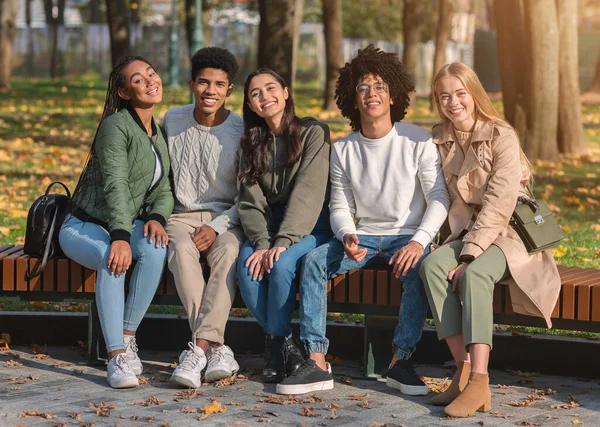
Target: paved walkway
{"x": 60, "y": 390}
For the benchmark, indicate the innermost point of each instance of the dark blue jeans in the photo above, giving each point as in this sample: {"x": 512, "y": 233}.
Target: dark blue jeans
{"x": 329, "y": 261}
{"x": 272, "y": 299}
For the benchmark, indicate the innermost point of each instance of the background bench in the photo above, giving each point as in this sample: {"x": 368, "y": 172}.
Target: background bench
{"x": 375, "y": 292}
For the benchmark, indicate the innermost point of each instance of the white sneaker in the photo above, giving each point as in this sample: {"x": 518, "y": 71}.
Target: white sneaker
{"x": 120, "y": 374}
{"x": 131, "y": 350}
{"x": 221, "y": 363}
{"x": 191, "y": 364}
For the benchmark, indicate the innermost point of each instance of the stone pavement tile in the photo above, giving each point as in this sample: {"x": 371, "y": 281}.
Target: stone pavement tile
{"x": 64, "y": 388}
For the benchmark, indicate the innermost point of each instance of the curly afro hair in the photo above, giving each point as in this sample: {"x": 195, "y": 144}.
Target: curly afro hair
{"x": 372, "y": 60}
{"x": 214, "y": 57}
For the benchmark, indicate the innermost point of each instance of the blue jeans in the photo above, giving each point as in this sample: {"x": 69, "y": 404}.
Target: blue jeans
{"x": 89, "y": 245}
{"x": 272, "y": 299}
{"x": 329, "y": 261}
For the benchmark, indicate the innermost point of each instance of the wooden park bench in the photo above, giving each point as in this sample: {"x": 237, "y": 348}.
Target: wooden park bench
{"x": 372, "y": 292}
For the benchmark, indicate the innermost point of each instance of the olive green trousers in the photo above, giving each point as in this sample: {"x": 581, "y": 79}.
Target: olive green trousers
{"x": 468, "y": 311}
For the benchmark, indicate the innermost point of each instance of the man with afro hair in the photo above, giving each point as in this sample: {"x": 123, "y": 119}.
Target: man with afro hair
{"x": 388, "y": 200}
{"x": 203, "y": 139}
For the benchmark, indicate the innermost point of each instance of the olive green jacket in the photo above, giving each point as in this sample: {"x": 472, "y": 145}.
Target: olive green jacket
{"x": 300, "y": 189}
{"x": 117, "y": 187}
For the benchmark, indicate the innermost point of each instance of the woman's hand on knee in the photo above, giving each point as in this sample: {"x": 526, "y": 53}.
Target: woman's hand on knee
{"x": 271, "y": 257}
{"x": 155, "y": 230}
{"x": 119, "y": 258}
{"x": 254, "y": 264}
{"x": 456, "y": 275}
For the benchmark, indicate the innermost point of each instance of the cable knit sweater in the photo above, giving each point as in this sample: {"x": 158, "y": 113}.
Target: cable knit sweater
{"x": 205, "y": 165}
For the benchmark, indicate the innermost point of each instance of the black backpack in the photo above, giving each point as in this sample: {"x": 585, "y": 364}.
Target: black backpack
{"x": 44, "y": 220}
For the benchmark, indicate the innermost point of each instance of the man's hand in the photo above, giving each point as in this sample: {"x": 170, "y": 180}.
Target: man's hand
{"x": 119, "y": 258}
{"x": 156, "y": 230}
{"x": 204, "y": 237}
{"x": 456, "y": 275}
{"x": 271, "y": 257}
{"x": 406, "y": 258}
{"x": 351, "y": 248}
{"x": 254, "y": 263}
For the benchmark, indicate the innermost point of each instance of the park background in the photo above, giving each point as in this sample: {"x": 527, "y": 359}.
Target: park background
{"x": 538, "y": 59}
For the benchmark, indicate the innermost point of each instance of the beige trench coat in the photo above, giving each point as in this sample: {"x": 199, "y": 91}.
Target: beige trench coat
{"x": 484, "y": 185}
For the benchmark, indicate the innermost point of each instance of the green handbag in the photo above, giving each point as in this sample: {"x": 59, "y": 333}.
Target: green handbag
{"x": 536, "y": 226}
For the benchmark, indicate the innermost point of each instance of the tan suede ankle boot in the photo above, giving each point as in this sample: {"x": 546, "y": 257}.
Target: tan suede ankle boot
{"x": 459, "y": 382}
{"x": 475, "y": 397}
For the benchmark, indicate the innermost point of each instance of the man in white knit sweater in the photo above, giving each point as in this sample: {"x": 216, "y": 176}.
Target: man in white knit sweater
{"x": 203, "y": 139}
{"x": 388, "y": 199}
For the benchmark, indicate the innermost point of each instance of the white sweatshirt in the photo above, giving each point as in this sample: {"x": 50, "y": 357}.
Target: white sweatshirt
{"x": 388, "y": 186}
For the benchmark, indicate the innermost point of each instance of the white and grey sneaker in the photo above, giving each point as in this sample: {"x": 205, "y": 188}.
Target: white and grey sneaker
{"x": 221, "y": 363}
{"x": 131, "y": 350}
{"x": 191, "y": 364}
{"x": 119, "y": 373}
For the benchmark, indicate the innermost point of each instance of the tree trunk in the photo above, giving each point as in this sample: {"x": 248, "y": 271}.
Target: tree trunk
{"x": 595, "y": 87}
{"x": 410, "y": 32}
{"x": 570, "y": 129}
{"x": 512, "y": 60}
{"x": 278, "y": 36}
{"x": 542, "y": 80}
{"x": 94, "y": 11}
{"x": 332, "y": 24}
{"x": 442, "y": 33}
{"x": 8, "y": 16}
{"x": 208, "y": 7}
{"x": 53, "y": 21}
{"x": 118, "y": 25}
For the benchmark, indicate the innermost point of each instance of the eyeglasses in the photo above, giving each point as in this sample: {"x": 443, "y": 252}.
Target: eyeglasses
{"x": 378, "y": 87}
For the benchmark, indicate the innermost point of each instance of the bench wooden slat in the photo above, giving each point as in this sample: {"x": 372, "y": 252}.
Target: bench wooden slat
{"x": 497, "y": 298}
{"x": 76, "y": 272}
{"x": 395, "y": 290}
{"x": 382, "y": 287}
{"x": 595, "y": 303}
{"x": 89, "y": 280}
{"x": 338, "y": 288}
{"x": 48, "y": 276}
{"x": 62, "y": 275}
{"x": 368, "y": 286}
{"x": 35, "y": 284}
{"x": 8, "y": 267}
{"x": 21, "y": 267}
{"x": 353, "y": 278}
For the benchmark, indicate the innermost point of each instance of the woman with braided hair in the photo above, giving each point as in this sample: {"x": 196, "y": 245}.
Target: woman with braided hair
{"x": 119, "y": 208}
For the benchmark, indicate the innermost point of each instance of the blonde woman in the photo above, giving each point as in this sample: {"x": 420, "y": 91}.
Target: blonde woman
{"x": 485, "y": 171}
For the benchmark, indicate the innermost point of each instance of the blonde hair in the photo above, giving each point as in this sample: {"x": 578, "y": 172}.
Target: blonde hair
{"x": 484, "y": 110}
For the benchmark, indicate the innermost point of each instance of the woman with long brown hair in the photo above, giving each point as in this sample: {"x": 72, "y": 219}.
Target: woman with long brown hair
{"x": 284, "y": 169}
{"x": 486, "y": 173}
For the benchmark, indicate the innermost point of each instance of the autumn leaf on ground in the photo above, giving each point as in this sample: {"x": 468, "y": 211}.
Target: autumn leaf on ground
{"x": 333, "y": 360}
{"x": 12, "y": 364}
{"x": 187, "y": 394}
{"x": 188, "y": 410}
{"x": 13, "y": 355}
{"x": 529, "y": 423}
{"x": 61, "y": 364}
{"x": 559, "y": 251}
{"x": 308, "y": 412}
{"x": 234, "y": 379}
{"x": 576, "y": 422}
{"x": 152, "y": 400}
{"x": 102, "y": 409}
{"x": 40, "y": 357}
{"x": 500, "y": 415}
{"x": 230, "y": 403}
{"x": 502, "y": 386}
{"x": 571, "y": 403}
{"x": 525, "y": 402}
{"x": 346, "y": 380}
{"x": 256, "y": 408}
{"x": 77, "y": 416}
{"x": 358, "y": 396}
{"x": 213, "y": 408}
{"x": 46, "y": 415}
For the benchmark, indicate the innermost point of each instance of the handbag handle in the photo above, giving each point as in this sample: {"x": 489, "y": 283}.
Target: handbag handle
{"x": 61, "y": 184}
{"x": 28, "y": 274}
{"x": 529, "y": 202}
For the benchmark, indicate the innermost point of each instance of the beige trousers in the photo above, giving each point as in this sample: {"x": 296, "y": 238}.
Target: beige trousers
{"x": 207, "y": 304}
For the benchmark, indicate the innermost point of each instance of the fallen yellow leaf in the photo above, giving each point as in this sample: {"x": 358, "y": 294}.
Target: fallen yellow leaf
{"x": 559, "y": 251}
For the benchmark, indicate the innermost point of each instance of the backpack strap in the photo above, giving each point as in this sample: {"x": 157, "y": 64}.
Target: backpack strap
{"x": 40, "y": 267}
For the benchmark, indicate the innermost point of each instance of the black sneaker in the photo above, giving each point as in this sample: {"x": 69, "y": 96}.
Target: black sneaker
{"x": 402, "y": 376}
{"x": 292, "y": 356}
{"x": 308, "y": 377}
